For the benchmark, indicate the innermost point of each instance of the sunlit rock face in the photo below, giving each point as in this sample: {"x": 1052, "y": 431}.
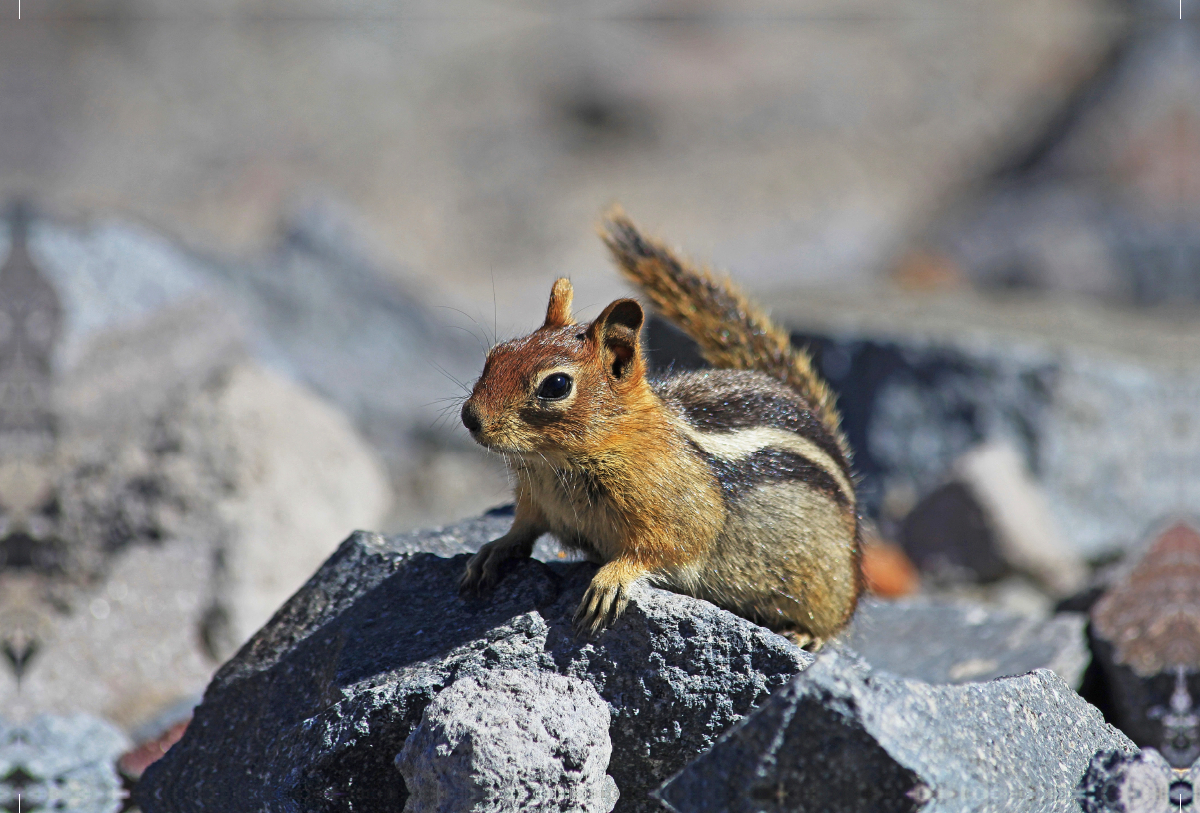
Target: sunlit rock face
{"x": 161, "y": 490}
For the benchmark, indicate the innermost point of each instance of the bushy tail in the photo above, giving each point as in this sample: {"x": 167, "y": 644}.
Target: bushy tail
{"x": 732, "y": 332}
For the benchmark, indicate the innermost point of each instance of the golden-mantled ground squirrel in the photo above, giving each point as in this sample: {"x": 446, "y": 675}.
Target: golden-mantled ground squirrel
{"x": 732, "y": 485}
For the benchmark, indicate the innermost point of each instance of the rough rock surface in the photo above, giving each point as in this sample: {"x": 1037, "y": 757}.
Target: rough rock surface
{"x": 956, "y": 642}
{"x": 840, "y": 738}
{"x": 161, "y": 492}
{"x": 510, "y": 740}
{"x": 311, "y": 714}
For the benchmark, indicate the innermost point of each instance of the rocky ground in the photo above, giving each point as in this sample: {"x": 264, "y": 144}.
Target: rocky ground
{"x": 364, "y": 692}
{"x": 192, "y": 401}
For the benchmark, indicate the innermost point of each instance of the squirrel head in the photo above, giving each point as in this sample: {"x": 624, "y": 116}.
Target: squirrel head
{"x": 558, "y": 390}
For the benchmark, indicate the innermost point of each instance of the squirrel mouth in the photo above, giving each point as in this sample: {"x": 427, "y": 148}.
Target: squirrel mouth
{"x": 493, "y": 445}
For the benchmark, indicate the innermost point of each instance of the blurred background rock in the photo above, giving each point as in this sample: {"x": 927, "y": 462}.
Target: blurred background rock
{"x": 281, "y": 236}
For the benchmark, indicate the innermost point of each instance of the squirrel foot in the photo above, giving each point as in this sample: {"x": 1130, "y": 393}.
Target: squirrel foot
{"x": 483, "y": 569}
{"x": 804, "y": 640}
{"x": 606, "y": 597}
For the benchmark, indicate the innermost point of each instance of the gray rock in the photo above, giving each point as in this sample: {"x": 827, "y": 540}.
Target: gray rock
{"x": 318, "y": 308}
{"x": 61, "y": 763}
{"x": 161, "y": 492}
{"x": 173, "y": 540}
{"x": 840, "y": 738}
{"x": 311, "y": 713}
{"x": 955, "y": 642}
{"x": 510, "y": 740}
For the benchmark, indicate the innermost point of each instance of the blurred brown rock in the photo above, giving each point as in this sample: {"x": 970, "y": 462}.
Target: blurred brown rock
{"x": 1145, "y": 635}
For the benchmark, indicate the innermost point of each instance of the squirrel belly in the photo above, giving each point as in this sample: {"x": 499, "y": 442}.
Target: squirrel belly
{"x": 732, "y": 485}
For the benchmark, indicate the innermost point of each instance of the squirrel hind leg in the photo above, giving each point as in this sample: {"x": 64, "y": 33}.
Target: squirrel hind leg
{"x": 804, "y": 640}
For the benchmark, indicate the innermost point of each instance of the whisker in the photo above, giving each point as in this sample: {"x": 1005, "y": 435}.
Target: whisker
{"x": 458, "y": 398}
{"x": 444, "y": 372}
{"x": 482, "y": 344}
{"x": 473, "y": 321}
{"x": 495, "y": 317}
{"x": 447, "y": 411}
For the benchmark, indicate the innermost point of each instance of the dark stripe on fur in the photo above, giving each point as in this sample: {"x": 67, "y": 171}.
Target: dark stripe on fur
{"x": 768, "y": 466}
{"x": 726, "y": 401}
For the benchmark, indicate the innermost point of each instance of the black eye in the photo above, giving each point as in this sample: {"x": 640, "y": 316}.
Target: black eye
{"x": 555, "y": 387}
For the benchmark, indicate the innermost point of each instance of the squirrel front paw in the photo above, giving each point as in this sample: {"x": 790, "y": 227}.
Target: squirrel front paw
{"x": 605, "y": 598}
{"x": 483, "y": 569}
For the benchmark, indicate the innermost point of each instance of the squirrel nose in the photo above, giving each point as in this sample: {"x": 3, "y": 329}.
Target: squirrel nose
{"x": 470, "y": 418}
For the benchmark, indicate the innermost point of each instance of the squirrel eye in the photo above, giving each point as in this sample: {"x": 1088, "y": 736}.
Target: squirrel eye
{"x": 555, "y": 387}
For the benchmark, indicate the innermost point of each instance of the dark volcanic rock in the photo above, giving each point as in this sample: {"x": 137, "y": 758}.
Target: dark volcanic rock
{"x": 955, "y": 642}
{"x": 311, "y": 714}
{"x": 947, "y": 534}
{"x": 840, "y": 738}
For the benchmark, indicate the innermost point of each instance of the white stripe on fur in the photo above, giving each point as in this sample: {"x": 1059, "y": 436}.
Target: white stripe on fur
{"x": 741, "y": 443}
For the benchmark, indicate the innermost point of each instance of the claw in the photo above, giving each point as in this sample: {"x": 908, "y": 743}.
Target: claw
{"x": 804, "y": 640}
{"x": 601, "y": 605}
{"x": 483, "y": 569}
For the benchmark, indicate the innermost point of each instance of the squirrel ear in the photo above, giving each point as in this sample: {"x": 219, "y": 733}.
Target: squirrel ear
{"x": 558, "y": 312}
{"x": 616, "y": 329}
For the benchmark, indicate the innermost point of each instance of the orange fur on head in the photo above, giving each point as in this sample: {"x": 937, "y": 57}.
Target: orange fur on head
{"x": 603, "y": 360}
{"x": 558, "y": 312}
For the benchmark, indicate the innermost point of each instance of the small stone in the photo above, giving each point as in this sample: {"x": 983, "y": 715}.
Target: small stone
{"x": 1146, "y": 638}
{"x": 887, "y": 570}
{"x": 947, "y": 535}
{"x": 509, "y": 740}
{"x": 1026, "y": 530}
{"x": 134, "y": 763}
